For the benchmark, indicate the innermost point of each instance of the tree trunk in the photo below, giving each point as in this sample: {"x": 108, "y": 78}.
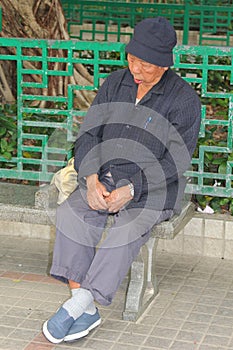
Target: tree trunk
{"x": 39, "y": 19}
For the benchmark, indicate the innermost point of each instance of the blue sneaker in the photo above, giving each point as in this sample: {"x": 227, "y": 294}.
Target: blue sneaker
{"x": 82, "y": 326}
{"x": 56, "y": 328}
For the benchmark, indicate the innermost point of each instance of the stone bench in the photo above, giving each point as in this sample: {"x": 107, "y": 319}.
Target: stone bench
{"x": 21, "y": 214}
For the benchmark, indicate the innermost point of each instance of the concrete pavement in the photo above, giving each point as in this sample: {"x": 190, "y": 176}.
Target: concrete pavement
{"x": 193, "y": 311}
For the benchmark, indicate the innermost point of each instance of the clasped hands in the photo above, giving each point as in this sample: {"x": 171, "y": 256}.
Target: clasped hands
{"x": 100, "y": 199}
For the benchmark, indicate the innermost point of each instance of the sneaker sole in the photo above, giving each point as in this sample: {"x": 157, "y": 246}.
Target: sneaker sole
{"x": 49, "y": 336}
{"x": 76, "y": 336}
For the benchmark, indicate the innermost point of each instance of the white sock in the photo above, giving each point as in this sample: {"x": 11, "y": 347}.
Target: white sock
{"x": 74, "y": 291}
{"x": 78, "y": 303}
{"x": 91, "y": 308}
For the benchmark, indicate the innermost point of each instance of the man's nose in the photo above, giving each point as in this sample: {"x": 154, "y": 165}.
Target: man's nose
{"x": 136, "y": 67}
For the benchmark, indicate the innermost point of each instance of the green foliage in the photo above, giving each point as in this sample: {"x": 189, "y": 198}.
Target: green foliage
{"x": 8, "y": 131}
{"x": 214, "y": 163}
{"x": 218, "y": 204}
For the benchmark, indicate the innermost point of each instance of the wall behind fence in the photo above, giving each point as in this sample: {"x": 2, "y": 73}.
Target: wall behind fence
{"x": 47, "y": 123}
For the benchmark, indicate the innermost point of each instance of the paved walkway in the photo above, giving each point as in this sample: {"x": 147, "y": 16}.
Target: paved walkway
{"x": 194, "y": 310}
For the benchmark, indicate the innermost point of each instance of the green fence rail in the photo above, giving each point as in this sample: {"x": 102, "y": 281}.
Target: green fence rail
{"x": 44, "y": 130}
{"x": 106, "y": 20}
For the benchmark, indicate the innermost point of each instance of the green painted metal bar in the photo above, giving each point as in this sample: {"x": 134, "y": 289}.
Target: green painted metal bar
{"x": 186, "y": 22}
{"x": 45, "y": 132}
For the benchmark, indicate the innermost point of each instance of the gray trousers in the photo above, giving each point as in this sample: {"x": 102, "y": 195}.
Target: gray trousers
{"x": 80, "y": 230}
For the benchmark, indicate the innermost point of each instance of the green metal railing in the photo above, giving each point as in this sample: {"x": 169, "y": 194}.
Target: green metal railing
{"x": 107, "y": 21}
{"x": 216, "y": 24}
{"x": 43, "y": 132}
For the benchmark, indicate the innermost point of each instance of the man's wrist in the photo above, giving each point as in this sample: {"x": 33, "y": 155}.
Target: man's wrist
{"x": 90, "y": 179}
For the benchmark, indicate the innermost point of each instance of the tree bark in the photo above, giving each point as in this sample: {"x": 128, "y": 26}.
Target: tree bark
{"x": 39, "y": 19}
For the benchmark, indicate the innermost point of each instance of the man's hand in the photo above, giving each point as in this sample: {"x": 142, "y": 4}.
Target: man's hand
{"x": 96, "y": 193}
{"x": 118, "y": 198}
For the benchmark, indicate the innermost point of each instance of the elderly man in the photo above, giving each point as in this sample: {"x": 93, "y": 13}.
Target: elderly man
{"x": 136, "y": 142}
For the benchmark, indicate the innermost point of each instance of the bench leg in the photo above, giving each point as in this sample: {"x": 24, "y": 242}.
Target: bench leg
{"x": 143, "y": 285}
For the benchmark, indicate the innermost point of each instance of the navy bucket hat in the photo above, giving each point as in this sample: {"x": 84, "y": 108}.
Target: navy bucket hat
{"x": 153, "y": 41}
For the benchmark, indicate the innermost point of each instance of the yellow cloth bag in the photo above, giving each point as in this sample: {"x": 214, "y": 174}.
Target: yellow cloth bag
{"x": 65, "y": 181}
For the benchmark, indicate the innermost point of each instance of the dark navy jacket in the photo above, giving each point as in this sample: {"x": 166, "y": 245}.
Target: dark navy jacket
{"x": 149, "y": 144}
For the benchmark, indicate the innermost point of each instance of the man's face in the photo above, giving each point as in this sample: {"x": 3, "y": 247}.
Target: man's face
{"x": 143, "y": 72}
